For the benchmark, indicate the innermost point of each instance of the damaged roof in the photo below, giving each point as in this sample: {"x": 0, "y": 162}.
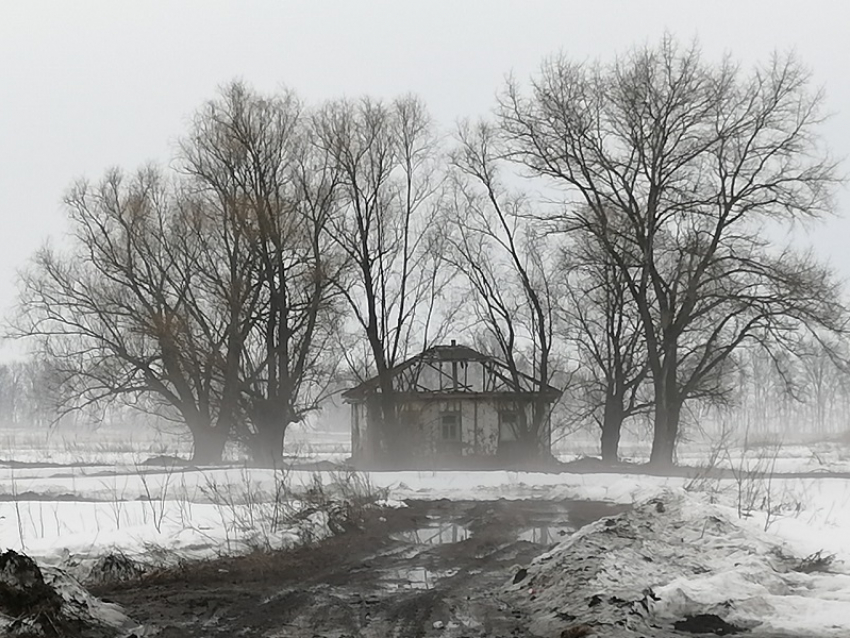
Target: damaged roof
{"x": 459, "y": 353}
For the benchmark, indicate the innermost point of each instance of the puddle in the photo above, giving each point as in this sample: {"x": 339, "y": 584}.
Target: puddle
{"x": 545, "y": 534}
{"x": 414, "y": 578}
{"x": 436, "y": 534}
{"x": 396, "y": 552}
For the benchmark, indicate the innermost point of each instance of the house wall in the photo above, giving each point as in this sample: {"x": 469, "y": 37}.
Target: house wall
{"x": 479, "y": 429}
{"x": 421, "y": 423}
{"x": 481, "y": 425}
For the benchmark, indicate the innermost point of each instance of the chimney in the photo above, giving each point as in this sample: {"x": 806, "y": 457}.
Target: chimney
{"x": 454, "y": 342}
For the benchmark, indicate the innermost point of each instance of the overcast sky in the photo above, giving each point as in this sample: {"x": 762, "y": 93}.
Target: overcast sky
{"x": 90, "y": 84}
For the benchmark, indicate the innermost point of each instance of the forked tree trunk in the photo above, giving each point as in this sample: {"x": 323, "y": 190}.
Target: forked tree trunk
{"x": 668, "y": 408}
{"x": 208, "y": 444}
{"x": 391, "y": 446}
{"x": 530, "y": 446}
{"x": 373, "y": 452}
{"x": 266, "y": 444}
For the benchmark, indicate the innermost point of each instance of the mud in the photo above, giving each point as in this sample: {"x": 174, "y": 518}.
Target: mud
{"x": 430, "y": 569}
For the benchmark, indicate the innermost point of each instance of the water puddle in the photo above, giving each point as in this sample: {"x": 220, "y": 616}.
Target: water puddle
{"x": 435, "y": 534}
{"x": 399, "y": 553}
{"x": 414, "y": 578}
{"x": 545, "y": 534}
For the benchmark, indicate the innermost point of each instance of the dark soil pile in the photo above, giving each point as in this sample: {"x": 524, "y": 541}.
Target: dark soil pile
{"x": 51, "y": 604}
{"x": 31, "y": 604}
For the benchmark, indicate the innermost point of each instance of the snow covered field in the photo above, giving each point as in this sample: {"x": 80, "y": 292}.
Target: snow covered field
{"x": 88, "y": 504}
{"x": 116, "y": 445}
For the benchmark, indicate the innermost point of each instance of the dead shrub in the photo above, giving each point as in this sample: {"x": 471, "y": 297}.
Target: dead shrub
{"x": 816, "y": 562}
{"x": 114, "y": 567}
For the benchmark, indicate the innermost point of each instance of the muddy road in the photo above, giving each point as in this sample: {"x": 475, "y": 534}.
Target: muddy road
{"x": 434, "y": 568}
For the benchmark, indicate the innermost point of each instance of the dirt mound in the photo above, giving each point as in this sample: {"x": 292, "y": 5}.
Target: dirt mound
{"x": 24, "y": 595}
{"x": 668, "y": 563}
{"x": 36, "y": 602}
{"x": 166, "y": 460}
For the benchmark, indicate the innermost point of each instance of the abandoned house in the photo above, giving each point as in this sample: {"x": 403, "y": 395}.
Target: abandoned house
{"x": 453, "y": 407}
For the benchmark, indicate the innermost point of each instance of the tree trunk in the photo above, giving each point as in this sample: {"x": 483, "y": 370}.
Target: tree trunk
{"x": 540, "y": 415}
{"x": 391, "y": 447}
{"x": 529, "y": 446}
{"x": 668, "y": 408}
{"x": 612, "y": 423}
{"x": 267, "y": 444}
{"x": 373, "y": 453}
{"x": 208, "y": 444}
{"x": 666, "y": 431}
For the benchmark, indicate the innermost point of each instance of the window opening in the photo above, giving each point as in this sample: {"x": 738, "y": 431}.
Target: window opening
{"x": 450, "y": 427}
{"x": 508, "y": 425}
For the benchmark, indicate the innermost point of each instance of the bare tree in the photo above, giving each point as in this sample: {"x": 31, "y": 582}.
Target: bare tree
{"x": 252, "y": 159}
{"x": 822, "y": 385}
{"x": 507, "y": 263}
{"x": 691, "y": 160}
{"x": 210, "y": 294}
{"x": 28, "y": 396}
{"x": 124, "y": 310}
{"x": 800, "y": 394}
{"x": 386, "y": 158}
{"x": 600, "y": 321}
{"x": 12, "y": 402}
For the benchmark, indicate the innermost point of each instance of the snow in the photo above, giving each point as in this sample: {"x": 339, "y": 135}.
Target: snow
{"x": 68, "y": 515}
{"x": 131, "y": 444}
{"x": 672, "y": 557}
{"x": 113, "y": 499}
{"x": 78, "y": 603}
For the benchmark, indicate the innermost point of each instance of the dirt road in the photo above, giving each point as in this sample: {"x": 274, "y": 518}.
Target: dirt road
{"x": 430, "y": 569}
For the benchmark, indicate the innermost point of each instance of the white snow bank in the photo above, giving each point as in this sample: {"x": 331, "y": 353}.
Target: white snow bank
{"x": 671, "y": 558}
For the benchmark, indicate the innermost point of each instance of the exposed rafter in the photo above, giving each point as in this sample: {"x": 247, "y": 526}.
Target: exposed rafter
{"x": 455, "y": 371}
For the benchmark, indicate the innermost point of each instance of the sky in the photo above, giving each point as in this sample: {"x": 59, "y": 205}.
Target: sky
{"x": 92, "y": 84}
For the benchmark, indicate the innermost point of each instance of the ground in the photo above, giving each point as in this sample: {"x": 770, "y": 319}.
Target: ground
{"x": 234, "y": 550}
{"x": 433, "y": 568}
